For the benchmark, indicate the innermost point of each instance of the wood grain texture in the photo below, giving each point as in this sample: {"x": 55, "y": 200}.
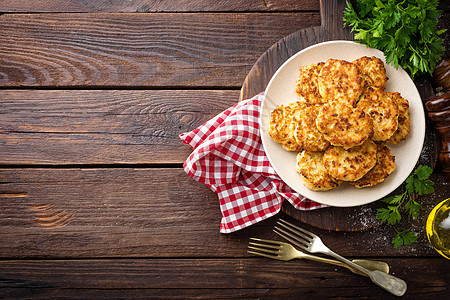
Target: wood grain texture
{"x": 140, "y": 227}
{"x": 331, "y": 28}
{"x": 363, "y": 217}
{"x": 147, "y": 212}
{"x": 138, "y": 50}
{"x": 319, "y": 292}
{"x": 103, "y": 126}
{"x": 204, "y": 278}
{"x": 64, "y": 6}
{"x": 140, "y": 6}
{"x": 265, "y": 67}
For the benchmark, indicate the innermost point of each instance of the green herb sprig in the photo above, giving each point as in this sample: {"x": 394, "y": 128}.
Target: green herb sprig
{"x": 406, "y": 31}
{"x": 416, "y": 184}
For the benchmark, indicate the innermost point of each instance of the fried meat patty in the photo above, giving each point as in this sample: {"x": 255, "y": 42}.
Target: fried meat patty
{"x": 403, "y": 118}
{"x": 307, "y": 136}
{"x": 385, "y": 165}
{"x": 372, "y": 70}
{"x": 350, "y": 164}
{"x": 313, "y": 173}
{"x": 382, "y": 110}
{"x": 340, "y": 80}
{"x": 343, "y": 125}
{"x": 282, "y": 123}
{"x": 307, "y": 85}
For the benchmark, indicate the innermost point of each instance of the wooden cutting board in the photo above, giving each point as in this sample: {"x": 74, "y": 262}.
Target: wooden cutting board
{"x": 331, "y": 12}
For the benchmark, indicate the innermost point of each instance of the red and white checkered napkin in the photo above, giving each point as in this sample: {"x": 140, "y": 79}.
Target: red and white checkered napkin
{"x": 229, "y": 158}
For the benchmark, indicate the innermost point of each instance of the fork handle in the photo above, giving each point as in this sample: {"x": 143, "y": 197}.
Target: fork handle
{"x": 390, "y": 283}
{"x": 381, "y": 267}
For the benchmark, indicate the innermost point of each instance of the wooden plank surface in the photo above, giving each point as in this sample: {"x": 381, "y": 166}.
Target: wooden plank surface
{"x": 331, "y": 28}
{"x": 143, "y": 6}
{"x": 60, "y": 127}
{"x": 62, "y": 6}
{"x": 210, "y": 278}
{"x": 138, "y": 50}
{"x": 95, "y": 204}
{"x": 146, "y": 212}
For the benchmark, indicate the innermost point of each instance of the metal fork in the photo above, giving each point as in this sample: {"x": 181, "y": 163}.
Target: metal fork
{"x": 310, "y": 242}
{"x": 284, "y": 251}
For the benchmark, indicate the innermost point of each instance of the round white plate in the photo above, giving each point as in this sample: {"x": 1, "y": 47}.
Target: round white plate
{"x": 281, "y": 90}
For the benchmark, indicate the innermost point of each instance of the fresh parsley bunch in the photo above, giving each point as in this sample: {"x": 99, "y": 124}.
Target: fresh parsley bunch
{"x": 406, "y": 31}
{"x": 416, "y": 184}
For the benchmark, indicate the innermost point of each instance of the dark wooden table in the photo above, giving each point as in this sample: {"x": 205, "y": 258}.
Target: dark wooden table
{"x": 94, "y": 200}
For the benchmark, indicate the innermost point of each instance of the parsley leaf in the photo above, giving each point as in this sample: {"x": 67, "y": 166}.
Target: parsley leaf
{"x": 417, "y": 183}
{"x": 406, "y": 31}
{"x": 394, "y": 215}
{"x": 390, "y": 214}
{"x": 397, "y": 199}
{"x": 424, "y": 187}
{"x": 423, "y": 172}
{"x": 405, "y": 237}
{"x": 410, "y": 188}
{"x": 413, "y": 207}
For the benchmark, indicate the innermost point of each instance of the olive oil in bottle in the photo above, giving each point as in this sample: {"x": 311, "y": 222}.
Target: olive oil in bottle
{"x": 438, "y": 228}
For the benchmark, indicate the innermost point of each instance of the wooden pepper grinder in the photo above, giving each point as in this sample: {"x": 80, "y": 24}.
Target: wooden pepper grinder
{"x": 438, "y": 108}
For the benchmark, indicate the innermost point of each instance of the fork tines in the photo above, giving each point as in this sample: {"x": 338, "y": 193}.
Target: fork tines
{"x": 264, "y": 248}
{"x": 294, "y": 234}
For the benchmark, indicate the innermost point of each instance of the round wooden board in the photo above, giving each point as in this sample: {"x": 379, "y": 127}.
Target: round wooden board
{"x": 337, "y": 218}
{"x": 331, "y": 12}
{"x": 330, "y": 218}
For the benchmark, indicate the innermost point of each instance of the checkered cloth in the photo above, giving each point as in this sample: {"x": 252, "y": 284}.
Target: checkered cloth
{"x": 229, "y": 158}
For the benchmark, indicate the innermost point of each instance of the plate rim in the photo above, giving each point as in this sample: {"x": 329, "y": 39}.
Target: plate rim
{"x": 421, "y": 131}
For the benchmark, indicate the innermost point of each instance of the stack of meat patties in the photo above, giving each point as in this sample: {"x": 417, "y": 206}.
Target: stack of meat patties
{"x": 341, "y": 124}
